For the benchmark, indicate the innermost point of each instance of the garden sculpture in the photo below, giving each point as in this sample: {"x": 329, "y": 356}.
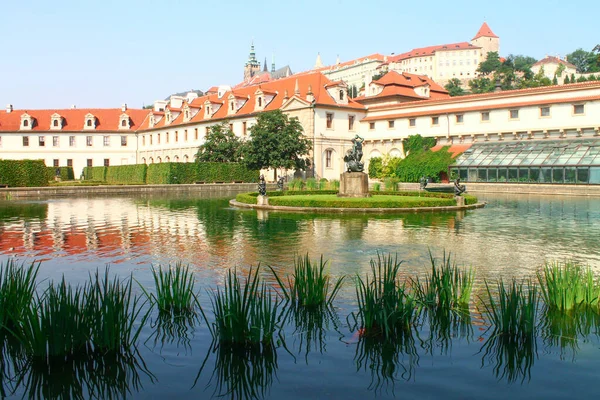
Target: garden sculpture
{"x": 422, "y": 183}
{"x": 458, "y": 188}
{"x": 353, "y": 157}
{"x": 262, "y": 186}
{"x": 280, "y": 184}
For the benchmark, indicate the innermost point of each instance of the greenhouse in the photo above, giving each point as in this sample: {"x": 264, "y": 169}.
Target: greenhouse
{"x": 553, "y": 161}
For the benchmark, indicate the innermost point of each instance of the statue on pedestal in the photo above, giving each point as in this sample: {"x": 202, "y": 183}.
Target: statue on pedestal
{"x": 458, "y": 188}
{"x": 262, "y": 186}
{"x": 353, "y": 157}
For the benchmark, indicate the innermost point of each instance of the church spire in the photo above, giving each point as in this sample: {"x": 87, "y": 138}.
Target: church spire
{"x": 252, "y": 55}
{"x": 265, "y": 66}
{"x": 273, "y": 63}
{"x": 318, "y": 63}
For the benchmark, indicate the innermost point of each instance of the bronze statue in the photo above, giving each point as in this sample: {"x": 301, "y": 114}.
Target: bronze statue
{"x": 353, "y": 157}
{"x": 458, "y": 188}
{"x": 280, "y": 184}
{"x": 262, "y": 186}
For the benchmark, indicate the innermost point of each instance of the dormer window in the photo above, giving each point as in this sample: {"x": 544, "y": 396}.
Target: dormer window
{"x": 152, "y": 121}
{"x": 90, "y": 122}
{"x": 26, "y": 122}
{"x": 56, "y": 121}
{"x": 124, "y": 122}
{"x": 341, "y": 95}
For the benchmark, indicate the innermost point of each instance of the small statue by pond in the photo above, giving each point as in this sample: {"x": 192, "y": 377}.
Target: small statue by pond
{"x": 262, "y": 186}
{"x": 353, "y": 157}
{"x": 423, "y": 183}
{"x": 458, "y": 188}
{"x": 280, "y": 184}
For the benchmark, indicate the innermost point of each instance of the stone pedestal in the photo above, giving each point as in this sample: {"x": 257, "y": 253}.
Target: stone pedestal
{"x": 460, "y": 201}
{"x": 262, "y": 200}
{"x": 354, "y": 184}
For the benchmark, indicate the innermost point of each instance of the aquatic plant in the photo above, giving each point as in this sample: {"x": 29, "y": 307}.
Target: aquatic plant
{"x": 312, "y": 184}
{"x": 447, "y": 286}
{"x": 175, "y": 294}
{"x": 245, "y": 312}
{"x": 17, "y": 290}
{"x": 309, "y": 286}
{"x": 514, "y": 312}
{"x": 385, "y": 307}
{"x": 567, "y": 285}
{"x": 511, "y": 357}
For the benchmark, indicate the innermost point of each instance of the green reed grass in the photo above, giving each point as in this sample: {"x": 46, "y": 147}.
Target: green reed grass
{"x": 513, "y": 310}
{"x": 334, "y": 184}
{"x": 296, "y": 184}
{"x": 17, "y": 291}
{"x": 567, "y": 285}
{"x": 309, "y": 286}
{"x": 245, "y": 311}
{"x": 385, "y": 307}
{"x": 447, "y": 286}
{"x": 312, "y": 184}
{"x": 175, "y": 293}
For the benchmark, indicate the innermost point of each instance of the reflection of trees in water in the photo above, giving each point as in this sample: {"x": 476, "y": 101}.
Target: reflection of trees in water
{"x": 14, "y": 210}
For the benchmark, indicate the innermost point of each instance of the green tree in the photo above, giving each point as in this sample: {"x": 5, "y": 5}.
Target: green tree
{"x": 521, "y": 63}
{"x": 573, "y": 80}
{"x": 481, "y": 85}
{"x": 220, "y": 145}
{"x": 454, "y": 87}
{"x": 417, "y": 143}
{"x": 378, "y": 75}
{"x": 555, "y": 80}
{"x": 276, "y": 141}
{"x": 491, "y": 64}
{"x": 585, "y": 61}
{"x": 566, "y": 81}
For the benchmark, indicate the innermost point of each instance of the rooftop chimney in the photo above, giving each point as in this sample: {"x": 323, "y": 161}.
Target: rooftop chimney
{"x": 124, "y": 107}
{"x": 73, "y": 106}
{"x": 9, "y": 108}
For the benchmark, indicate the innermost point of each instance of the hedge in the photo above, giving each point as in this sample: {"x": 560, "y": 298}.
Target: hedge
{"x": 171, "y": 173}
{"x": 376, "y": 201}
{"x": 225, "y": 172}
{"x": 134, "y": 174}
{"x": 94, "y": 174}
{"x": 66, "y": 173}
{"x": 23, "y": 173}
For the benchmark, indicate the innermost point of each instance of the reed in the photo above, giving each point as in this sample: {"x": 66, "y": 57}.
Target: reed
{"x": 312, "y": 184}
{"x": 175, "y": 293}
{"x": 17, "y": 291}
{"x": 447, "y": 286}
{"x": 565, "y": 286}
{"x": 334, "y": 184}
{"x": 385, "y": 307}
{"x": 296, "y": 184}
{"x": 245, "y": 311}
{"x": 514, "y": 311}
{"x": 309, "y": 286}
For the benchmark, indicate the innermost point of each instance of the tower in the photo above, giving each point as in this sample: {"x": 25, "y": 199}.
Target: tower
{"x": 252, "y": 66}
{"x": 273, "y": 63}
{"x": 487, "y": 40}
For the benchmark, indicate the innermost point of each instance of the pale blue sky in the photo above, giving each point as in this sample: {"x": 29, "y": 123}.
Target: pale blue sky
{"x": 105, "y": 53}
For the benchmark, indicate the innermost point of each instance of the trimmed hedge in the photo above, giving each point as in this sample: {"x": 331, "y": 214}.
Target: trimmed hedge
{"x": 94, "y": 174}
{"x": 225, "y": 172}
{"x": 66, "y": 173}
{"x": 377, "y": 201}
{"x": 134, "y": 174}
{"x": 23, "y": 173}
{"x": 171, "y": 173}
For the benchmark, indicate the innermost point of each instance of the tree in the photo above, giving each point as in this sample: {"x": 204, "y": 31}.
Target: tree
{"x": 482, "y": 85}
{"x": 454, "y": 87}
{"x": 585, "y": 61}
{"x": 378, "y": 76}
{"x": 555, "y": 80}
{"x": 521, "y": 63}
{"x": 221, "y": 145}
{"x": 566, "y": 81}
{"x": 276, "y": 141}
{"x": 491, "y": 64}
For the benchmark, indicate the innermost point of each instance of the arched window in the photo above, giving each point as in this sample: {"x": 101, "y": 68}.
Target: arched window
{"x": 185, "y": 158}
{"x": 55, "y": 122}
{"x": 89, "y": 122}
{"x": 151, "y": 160}
{"x": 26, "y": 123}
{"x": 341, "y": 95}
{"x": 143, "y": 160}
{"x": 260, "y": 101}
{"x": 123, "y": 123}
{"x": 158, "y": 160}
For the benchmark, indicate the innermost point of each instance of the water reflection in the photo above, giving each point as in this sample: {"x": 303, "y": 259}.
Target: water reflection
{"x": 444, "y": 326}
{"x": 563, "y": 330}
{"x": 169, "y": 329}
{"x": 510, "y": 356}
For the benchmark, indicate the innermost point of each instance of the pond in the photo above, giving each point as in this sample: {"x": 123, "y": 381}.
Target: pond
{"x": 511, "y": 237}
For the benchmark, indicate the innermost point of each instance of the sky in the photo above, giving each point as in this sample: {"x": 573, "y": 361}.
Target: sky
{"x": 103, "y": 53}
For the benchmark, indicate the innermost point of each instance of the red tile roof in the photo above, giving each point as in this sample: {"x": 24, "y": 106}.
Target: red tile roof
{"x": 484, "y": 31}
{"x": 554, "y": 60}
{"x": 430, "y": 50}
{"x": 107, "y": 119}
{"x": 455, "y": 149}
{"x": 403, "y": 84}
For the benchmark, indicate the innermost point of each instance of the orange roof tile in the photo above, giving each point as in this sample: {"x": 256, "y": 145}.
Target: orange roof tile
{"x": 455, "y": 149}
{"x": 554, "y": 60}
{"x": 484, "y": 31}
{"x": 430, "y": 50}
{"x": 396, "y": 84}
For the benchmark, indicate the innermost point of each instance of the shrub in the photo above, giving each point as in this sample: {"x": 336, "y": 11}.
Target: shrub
{"x": 375, "y": 167}
{"x": 225, "y": 172}
{"x": 23, "y": 173}
{"x": 311, "y": 184}
{"x": 333, "y": 201}
{"x": 377, "y": 186}
{"x": 391, "y": 184}
{"x": 126, "y": 174}
{"x": 94, "y": 174}
{"x": 65, "y": 173}
{"x": 335, "y": 185}
{"x": 424, "y": 163}
{"x": 296, "y": 184}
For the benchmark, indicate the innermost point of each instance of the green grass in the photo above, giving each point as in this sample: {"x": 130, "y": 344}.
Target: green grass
{"x": 565, "y": 286}
{"x": 175, "y": 294}
{"x": 312, "y": 184}
{"x": 376, "y": 201}
{"x": 512, "y": 310}
{"x": 296, "y": 184}
{"x": 17, "y": 291}
{"x": 385, "y": 307}
{"x": 447, "y": 286}
{"x": 309, "y": 286}
{"x": 246, "y": 312}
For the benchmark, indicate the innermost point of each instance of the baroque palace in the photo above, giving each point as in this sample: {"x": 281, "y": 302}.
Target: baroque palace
{"x": 389, "y": 110}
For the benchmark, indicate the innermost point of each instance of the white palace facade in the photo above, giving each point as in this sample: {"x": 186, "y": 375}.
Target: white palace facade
{"x": 393, "y": 108}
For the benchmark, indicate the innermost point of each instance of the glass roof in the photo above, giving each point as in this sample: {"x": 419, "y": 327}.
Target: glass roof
{"x": 532, "y": 153}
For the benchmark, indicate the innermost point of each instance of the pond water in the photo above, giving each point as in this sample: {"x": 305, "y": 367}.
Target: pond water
{"x": 511, "y": 237}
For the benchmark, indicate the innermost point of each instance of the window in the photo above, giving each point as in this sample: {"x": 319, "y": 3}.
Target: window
{"x": 341, "y": 95}
{"x": 176, "y": 136}
{"x": 89, "y": 162}
{"x": 25, "y": 141}
{"x": 106, "y": 141}
{"x": 231, "y": 127}
{"x": 106, "y": 162}
{"x": 329, "y": 120}
{"x": 55, "y": 122}
{"x": 55, "y": 162}
{"x": 42, "y": 141}
{"x": 485, "y": 116}
{"x": 578, "y": 109}
{"x": 72, "y": 141}
{"x": 260, "y": 101}
{"x": 166, "y": 137}
{"x": 390, "y": 124}
{"x": 88, "y": 141}
{"x": 55, "y": 141}
{"x": 371, "y": 125}
{"x": 435, "y": 120}
{"x": 123, "y": 123}
{"x": 143, "y": 140}
{"x": 158, "y": 137}
{"x": 412, "y": 122}
{"x": 150, "y": 140}
{"x": 185, "y": 135}
{"x": 328, "y": 154}
{"x": 514, "y": 114}
{"x": 544, "y": 111}
{"x": 195, "y": 133}
{"x": 459, "y": 118}
{"x": 70, "y": 162}
{"x": 25, "y": 122}
{"x": 123, "y": 140}
{"x": 244, "y": 128}
{"x": 89, "y": 122}
{"x": 206, "y": 132}
{"x": 350, "y": 122}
